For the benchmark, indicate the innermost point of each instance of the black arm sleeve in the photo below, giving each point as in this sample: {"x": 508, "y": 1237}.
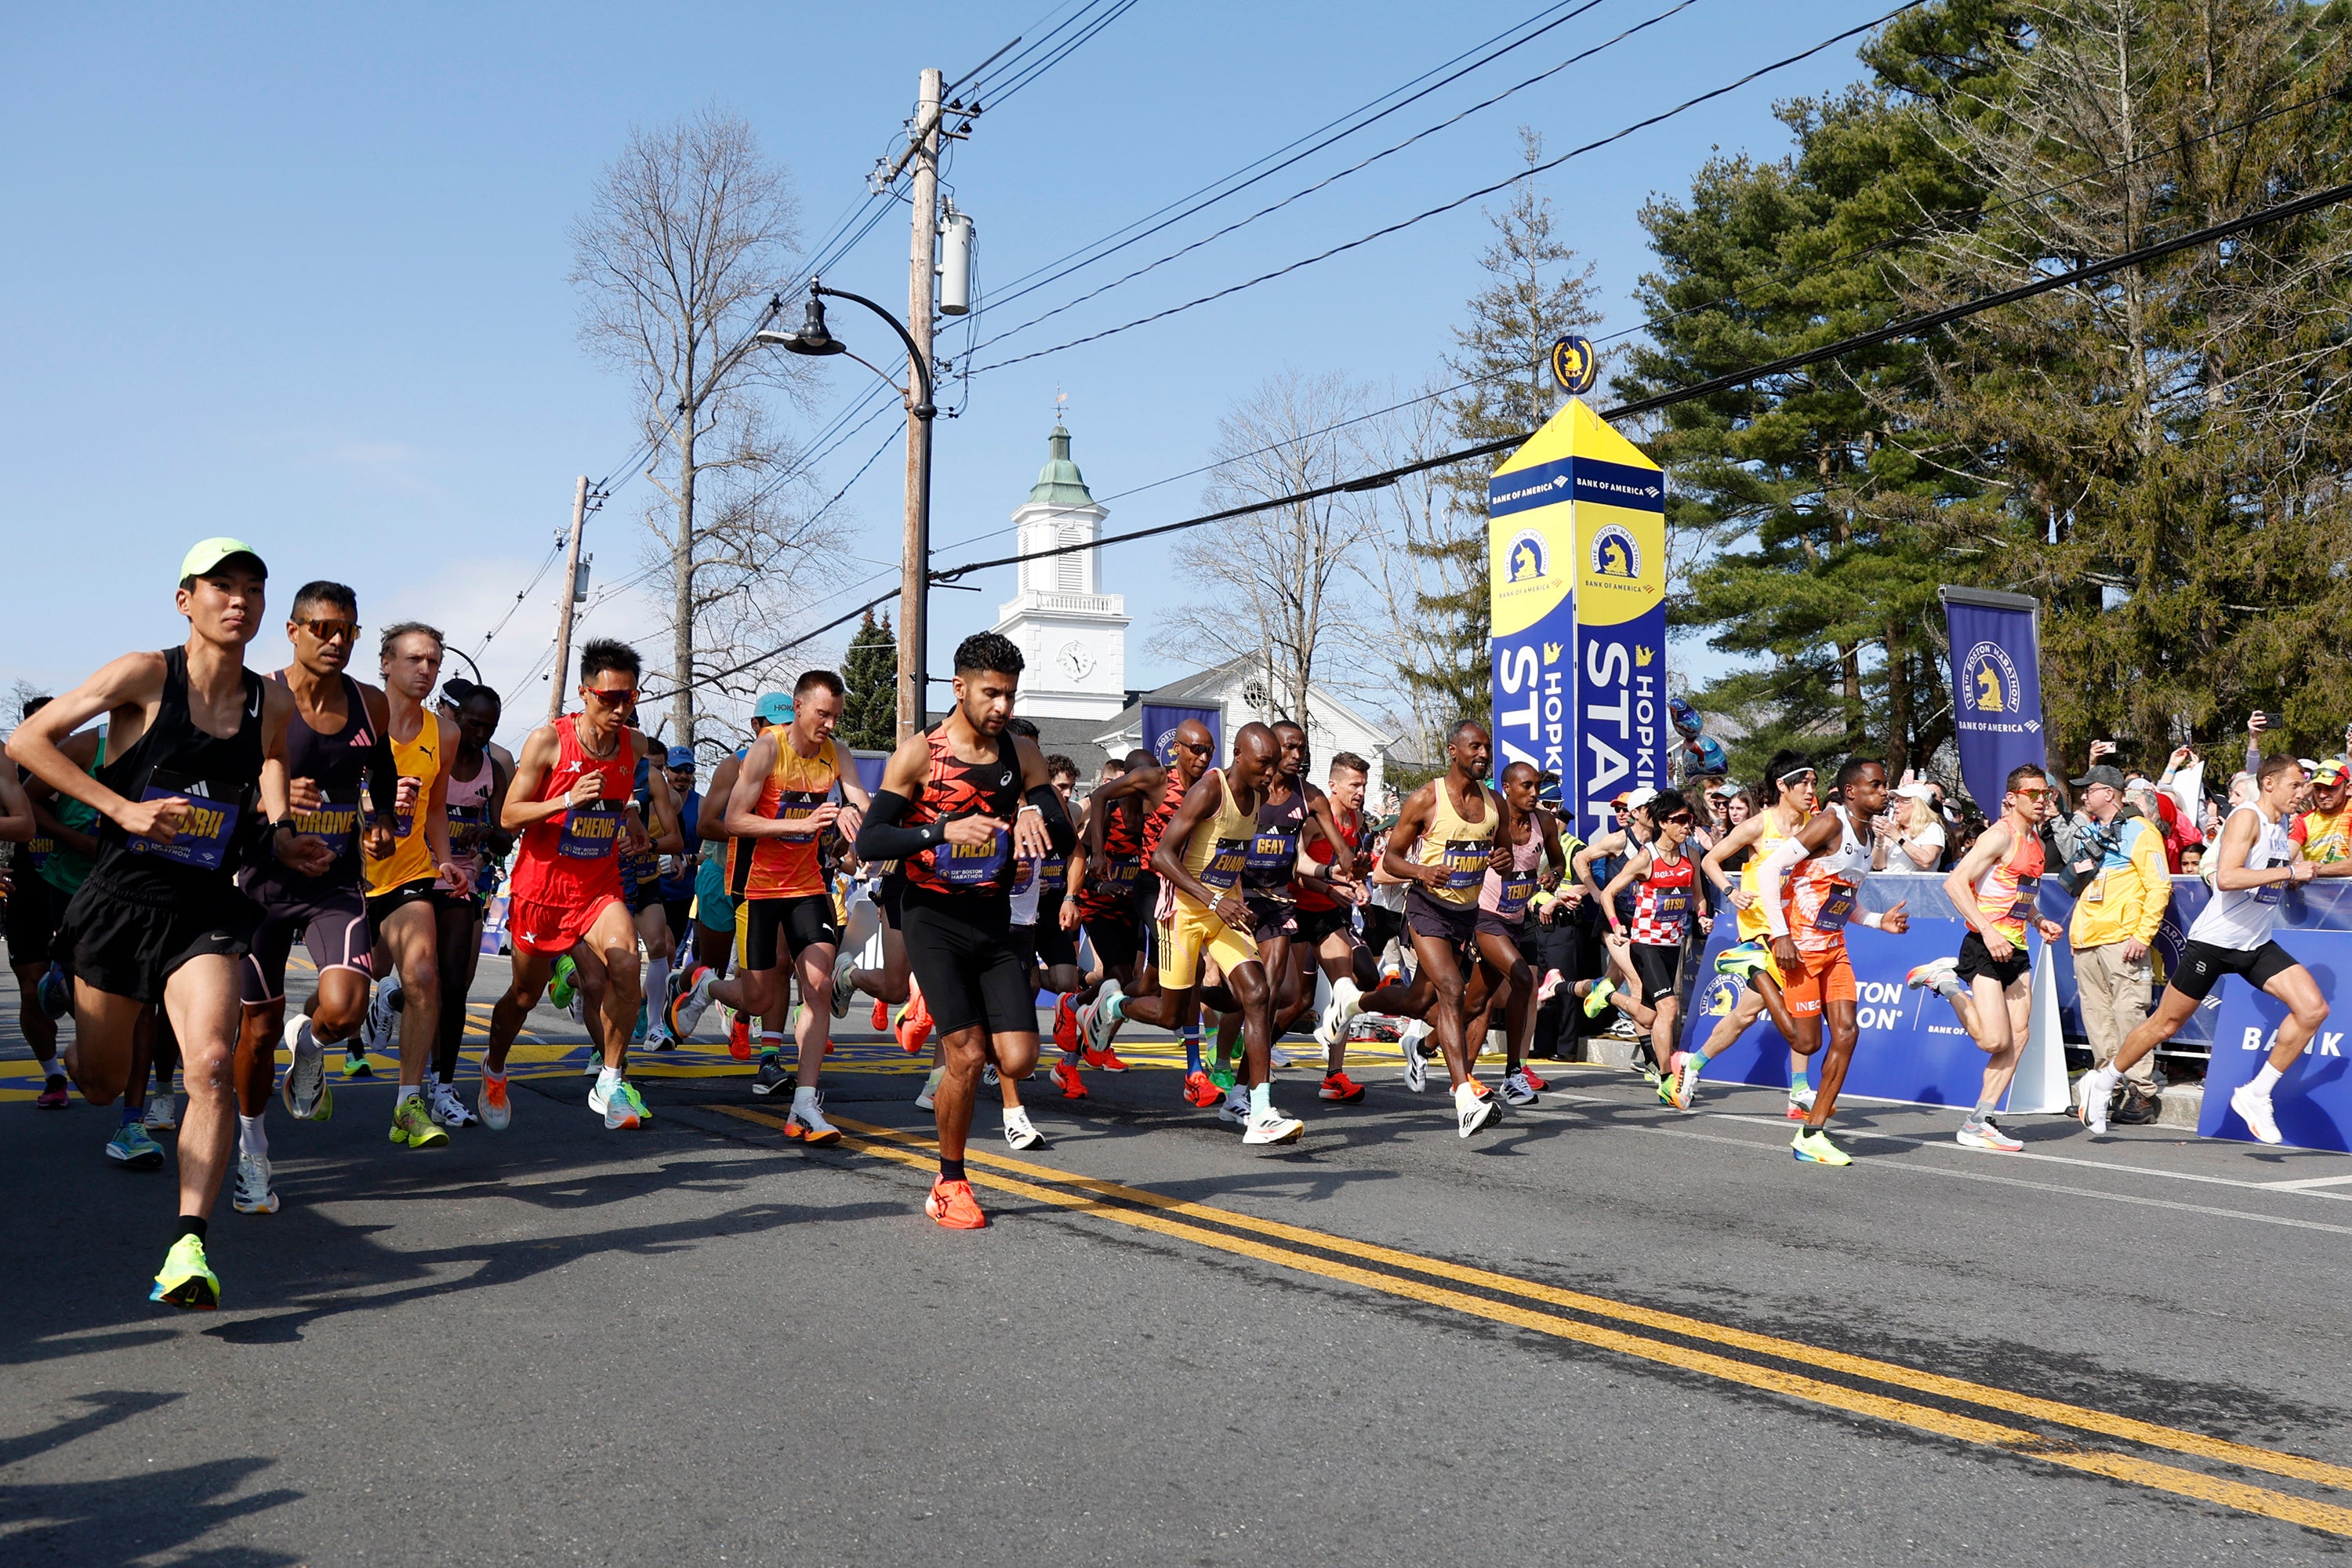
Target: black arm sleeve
{"x": 1058, "y": 831}
{"x": 383, "y": 776}
{"x": 881, "y": 836}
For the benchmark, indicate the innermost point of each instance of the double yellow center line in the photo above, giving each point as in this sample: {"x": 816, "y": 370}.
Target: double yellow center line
{"x": 1502, "y": 1299}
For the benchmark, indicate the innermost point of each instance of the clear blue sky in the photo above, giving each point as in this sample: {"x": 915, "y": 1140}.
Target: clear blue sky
{"x": 298, "y": 273}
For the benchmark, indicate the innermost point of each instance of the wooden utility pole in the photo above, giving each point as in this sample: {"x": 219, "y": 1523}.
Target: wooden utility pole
{"x": 914, "y": 583}
{"x": 563, "y": 597}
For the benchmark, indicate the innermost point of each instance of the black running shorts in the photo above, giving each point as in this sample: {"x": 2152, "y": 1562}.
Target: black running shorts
{"x": 1314, "y": 925}
{"x": 1447, "y": 922}
{"x": 804, "y": 921}
{"x": 1657, "y": 967}
{"x": 31, "y": 927}
{"x": 1115, "y": 940}
{"x": 961, "y": 948}
{"x": 2203, "y": 966}
{"x": 127, "y": 944}
{"x": 891, "y": 893}
{"x": 332, "y": 924}
{"x": 1975, "y": 961}
{"x": 380, "y": 906}
{"x": 1270, "y": 919}
{"x": 1053, "y": 946}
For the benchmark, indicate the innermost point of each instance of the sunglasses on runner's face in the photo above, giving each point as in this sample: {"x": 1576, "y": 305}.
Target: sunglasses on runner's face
{"x": 1681, "y": 818}
{"x": 332, "y": 631}
{"x": 2032, "y": 794}
{"x": 619, "y": 697}
{"x": 1196, "y": 747}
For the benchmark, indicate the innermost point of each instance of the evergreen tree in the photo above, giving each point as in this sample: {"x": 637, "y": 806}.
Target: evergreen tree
{"x": 869, "y": 670}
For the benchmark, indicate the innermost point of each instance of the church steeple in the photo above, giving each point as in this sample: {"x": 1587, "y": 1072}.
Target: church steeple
{"x": 1059, "y": 483}
{"x": 1074, "y": 636}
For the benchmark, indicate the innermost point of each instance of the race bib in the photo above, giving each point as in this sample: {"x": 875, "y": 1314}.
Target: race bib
{"x": 1837, "y": 908}
{"x": 1223, "y": 872}
{"x": 1054, "y": 871}
{"x": 2269, "y": 894}
{"x": 467, "y": 825}
{"x": 202, "y": 837}
{"x": 1025, "y": 877}
{"x": 1117, "y": 876}
{"x": 1465, "y": 862}
{"x": 795, "y": 804}
{"x": 1672, "y": 903}
{"x": 334, "y": 823}
{"x": 39, "y": 848}
{"x": 1517, "y": 888}
{"x": 2029, "y": 890}
{"x": 1270, "y": 853}
{"x": 973, "y": 865}
{"x": 591, "y": 832}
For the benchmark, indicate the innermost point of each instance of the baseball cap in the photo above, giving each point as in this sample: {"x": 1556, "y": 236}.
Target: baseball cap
{"x": 2330, "y": 771}
{"x": 1640, "y": 797}
{"x": 1726, "y": 789}
{"x": 775, "y": 707}
{"x": 2102, "y": 774}
{"x": 206, "y": 556}
{"x": 1927, "y": 791}
{"x": 681, "y": 756}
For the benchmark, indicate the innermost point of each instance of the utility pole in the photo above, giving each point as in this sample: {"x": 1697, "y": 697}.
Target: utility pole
{"x": 563, "y": 596}
{"x": 915, "y": 580}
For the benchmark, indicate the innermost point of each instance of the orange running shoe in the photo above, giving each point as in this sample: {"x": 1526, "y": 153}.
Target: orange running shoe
{"x": 1065, "y": 1079}
{"x": 1527, "y": 1072}
{"x": 1065, "y": 1024}
{"x": 1340, "y": 1088}
{"x": 881, "y": 1015}
{"x": 1202, "y": 1091}
{"x": 915, "y": 1026}
{"x": 1106, "y": 1059}
{"x": 952, "y": 1205}
{"x": 739, "y": 1039}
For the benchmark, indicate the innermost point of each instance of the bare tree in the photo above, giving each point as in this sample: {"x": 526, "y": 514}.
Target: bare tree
{"x": 1408, "y": 565}
{"x": 676, "y": 258}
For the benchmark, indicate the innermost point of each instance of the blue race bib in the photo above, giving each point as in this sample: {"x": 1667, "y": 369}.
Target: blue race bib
{"x": 1225, "y": 862}
{"x": 1270, "y": 852}
{"x": 1517, "y": 888}
{"x": 591, "y": 832}
{"x": 1465, "y": 862}
{"x": 203, "y": 833}
{"x": 973, "y": 865}
{"x": 1837, "y": 908}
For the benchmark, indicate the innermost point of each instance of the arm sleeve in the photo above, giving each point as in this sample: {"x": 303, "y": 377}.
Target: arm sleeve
{"x": 881, "y": 837}
{"x": 1777, "y": 865}
{"x": 383, "y": 776}
{"x": 1058, "y": 831}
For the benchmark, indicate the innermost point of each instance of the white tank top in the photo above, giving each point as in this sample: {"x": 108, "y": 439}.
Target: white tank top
{"x": 2244, "y": 919}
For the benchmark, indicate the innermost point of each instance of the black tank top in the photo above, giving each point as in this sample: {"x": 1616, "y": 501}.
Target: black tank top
{"x": 220, "y": 777}
{"x": 956, "y": 788}
{"x": 338, "y": 762}
{"x": 1273, "y": 854}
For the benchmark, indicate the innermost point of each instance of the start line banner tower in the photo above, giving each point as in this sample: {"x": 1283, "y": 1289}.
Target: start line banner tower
{"x": 1576, "y": 540}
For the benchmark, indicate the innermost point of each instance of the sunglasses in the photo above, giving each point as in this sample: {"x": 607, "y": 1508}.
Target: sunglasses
{"x": 619, "y": 697}
{"x": 1681, "y": 818}
{"x": 1196, "y": 749}
{"x": 332, "y": 631}
{"x": 2031, "y": 794}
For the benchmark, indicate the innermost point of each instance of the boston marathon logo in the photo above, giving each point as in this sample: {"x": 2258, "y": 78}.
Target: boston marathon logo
{"x": 1524, "y": 561}
{"x": 1991, "y": 679}
{"x": 1722, "y": 996}
{"x": 1616, "y": 553}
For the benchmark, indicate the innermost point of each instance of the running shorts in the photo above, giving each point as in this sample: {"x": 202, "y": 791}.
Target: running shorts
{"x": 1449, "y": 922}
{"x": 641, "y": 896}
{"x": 1492, "y": 924}
{"x": 552, "y": 930}
{"x": 1381, "y": 927}
{"x": 1976, "y": 961}
{"x": 1821, "y": 977}
{"x": 803, "y": 922}
{"x": 1270, "y": 918}
{"x": 129, "y": 944}
{"x": 1658, "y": 966}
{"x": 1189, "y": 932}
{"x": 2202, "y": 965}
{"x": 1314, "y": 925}
{"x": 380, "y": 906}
{"x": 890, "y": 898}
{"x": 1053, "y": 946}
{"x": 1116, "y": 942}
{"x": 333, "y": 925}
{"x": 712, "y": 907}
{"x": 32, "y": 924}
{"x": 961, "y": 948}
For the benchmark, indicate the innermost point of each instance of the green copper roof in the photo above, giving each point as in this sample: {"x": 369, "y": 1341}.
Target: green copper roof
{"x": 1059, "y": 483}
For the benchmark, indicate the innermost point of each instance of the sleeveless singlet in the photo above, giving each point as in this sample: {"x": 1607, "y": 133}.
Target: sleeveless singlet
{"x": 794, "y": 788}
{"x": 469, "y": 818}
{"x": 219, "y": 776}
{"x": 1663, "y": 900}
{"x": 2243, "y": 919}
{"x": 2006, "y": 893}
{"x": 1459, "y": 845}
{"x": 1110, "y": 882}
{"x": 1753, "y": 926}
{"x": 1821, "y": 893}
{"x": 1155, "y": 821}
{"x": 570, "y": 858}
{"x": 956, "y": 788}
{"x": 411, "y": 859}
{"x": 1350, "y": 824}
{"x": 337, "y": 761}
{"x": 1273, "y": 853}
{"x": 1506, "y": 897}
{"x": 1219, "y": 849}
{"x": 67, "y": 868}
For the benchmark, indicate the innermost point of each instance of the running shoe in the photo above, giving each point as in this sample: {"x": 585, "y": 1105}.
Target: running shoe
{"x": 1281, "y": 1059}
{"x": 1105, "y": 1060}
{"x": 1814, "y": 1148}
{"x": 2254, "y": 1108}
{"x": 1473, "y": 1111}
{"x": 914, "y": 1027}
{"x": 1596, "y": 1001}
{"x": 689, "y": 998}
{"x": 592, "y": 1062}
{"x": 638, "y": 1029}
{"x": 1536, "y": 1081}
{"x": 660, "y": 1039}
{"x": 622, "y": 1108}
{"x": 54, "y": 991}
{"x": 133, "y": 1149}
{"x": 382, "y": 1030}
{"x": 1416, "y": 1065}
{"x": 1235, "y": 1107}
{"x": 1983, "y": 1132}
{"x": 1800, "y": 1102}
{"x": 445, "y": 1109}
{"x": 1199, "y": 1091}
{"x": 881, "y": 1015}
{"x": 304, "y": 1089}
{"x": 1339, "y": 1089}
{"x": 1224, "y": 1076}
{"x": 1066, "y": 1024}
{"x": 807, "y": 1123}
{"x": 562, "y": 982}
{"x": 1552, "y": 981}
{"x": 492, "y": 1105}
{"x": 53, "y": 1096}
{"x": 1272, "y": 1127}
{"x": 1347, "y": 1001}
{"x": 411, "y": 1124}
{"x": 1066, "y": 1079}
{"x": 2098, "y": 1096}
{"x": 1929, "y": 974}
{"x": 1742, "y": 959}
{"x": 988, "y": 1076}
{"x": 1517, "y": 1090}
{"x": 355, "y": 1062}
{"x": 1685, "y": 1081}
{"x": 1101, "y": 1016}
{"x": 773, "y": 1077}
{"x": 253, "y": 1194}
{"x": 924, "y": 1101}
{"x": 952, "y": 1205}
{"x": 187, "y": 1279}
{"x": 844, "y": 983}
{"x": 162, "y": 1114}
{"x": 1020, "y": 1133}
{"x": 738, "y": 1038}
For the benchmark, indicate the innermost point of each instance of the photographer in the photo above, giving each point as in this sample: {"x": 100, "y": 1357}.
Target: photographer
{"x": 2124, "y": 889}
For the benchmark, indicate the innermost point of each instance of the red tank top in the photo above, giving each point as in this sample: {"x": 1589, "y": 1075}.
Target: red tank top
{"x": 1110, "y": 885}
{"x": 1172, "y": 800}
{"x": 956, "y": 788}
{"x": 571, "y": 858}
{"x": 1319, "y": 850}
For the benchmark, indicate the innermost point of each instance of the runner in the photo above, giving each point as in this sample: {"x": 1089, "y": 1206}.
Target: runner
{"x": 715, "y": 912}
{"x": 1532, "y": 837}
{"x": 1597, "y": 863}
{"x": 1103, "y": 875}
{"x": 566, "y": 802}
{"x": 1448, "y": 825}
{"x": 958, "y": 802}
{"x": 677, "y": 877}
{"x": 197, "y": 743}
{"x": 663, "y": 831}
{"x": 335, "y": 746}
{"x": 72, "y": 825}
{"x": 1662, "y": 878}
{"x": 777, "y": 812}
{"x": 2231, "y": 935}
{"x": 1810, "y": 885}
{"x": 1994, "y": 886}
{"x": 32, "y": 917}
{"x": 479, "y": 777}
{"x": 1328, "y": 900}
{"x": 1789, "y": 796}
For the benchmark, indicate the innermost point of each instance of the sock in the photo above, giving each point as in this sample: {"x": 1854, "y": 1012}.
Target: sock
{"x": 1116, "y": 1007}
{"x": 1497, "y": 1040}
{"x": 1465, "y": 1092}
{"x": 131, "y": 1113}
{"x": 1193, "y": 1050}
{"x": 1261, "y": 1100}
{"x": 1799, "y": 1078}
{"x": 407, "y": 1092}
{"x": 490, "y": 1077}
{"x": 950, "y": 1170}
{"x": 607, "y": 1080}
{"x": 771, "y": 1040}
{"x": 2266, "y": 1078}
{"x": 804, "y": 1100}
{"x": 1069, "y": 1058}
{"x": 657, "y": 981}
{"x": 189, "y": 1224}
{"x": 1948, "y": 987}
{"x": 251, "y": 1138}
{"x": 1984, "y": 1107}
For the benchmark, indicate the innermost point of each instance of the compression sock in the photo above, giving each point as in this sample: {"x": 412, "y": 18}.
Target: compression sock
{"x": 657, "y": 981}
{"x": 1985, "y": 1106}
{"x": 1192, "y": 1049}
{"x": 950, "y": 1170}
{"x": 189, "y": 1224}
{"x": 1261, "y": 1100}
{"x": 251, "y": 1138}
{"x": 131, "y": 1113}
{"x": 1799, "y": 1079}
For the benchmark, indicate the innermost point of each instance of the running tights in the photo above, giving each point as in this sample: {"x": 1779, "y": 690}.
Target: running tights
{"x": 454, "y": 944}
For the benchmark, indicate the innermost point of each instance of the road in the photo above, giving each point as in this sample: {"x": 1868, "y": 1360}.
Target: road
{"x": 1608, "y": 1332}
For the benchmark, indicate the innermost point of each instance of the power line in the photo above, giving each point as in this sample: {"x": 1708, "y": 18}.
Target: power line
{"x": 1076, "y": 41}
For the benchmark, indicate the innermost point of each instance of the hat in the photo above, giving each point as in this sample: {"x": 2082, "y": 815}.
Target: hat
{"x": 2330, "y": 771}
{"x": 775, "y": 707}
{"x": 1726, "y": 789}
{"x": 1924, "y": 791}
{"x": 681, "y": 756}
{"x": 2102, "y": 774}
{"x": 207, "y": 554}
{"x": 1638, "y": 798}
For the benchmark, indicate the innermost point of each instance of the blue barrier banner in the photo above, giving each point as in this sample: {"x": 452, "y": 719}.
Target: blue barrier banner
{"x": 1995, "y": 688}
{"x": 2314, "y": 1101}
{"x": 2190, "y": 894}
{"x": 1160, "y": 729}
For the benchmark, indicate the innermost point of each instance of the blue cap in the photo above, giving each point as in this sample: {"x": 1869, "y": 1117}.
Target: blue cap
{"x": 681, "y": 756}
{"x": 775, "y": 707}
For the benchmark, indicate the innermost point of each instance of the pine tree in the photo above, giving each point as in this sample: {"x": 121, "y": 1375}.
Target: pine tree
{"x": 870, "y": 710}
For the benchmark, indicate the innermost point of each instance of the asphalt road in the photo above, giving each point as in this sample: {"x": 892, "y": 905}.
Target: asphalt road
{"x": 1607, "y": 1332}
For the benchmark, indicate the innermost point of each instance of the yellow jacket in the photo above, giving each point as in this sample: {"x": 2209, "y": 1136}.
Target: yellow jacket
{"x": 2126, "y": 897}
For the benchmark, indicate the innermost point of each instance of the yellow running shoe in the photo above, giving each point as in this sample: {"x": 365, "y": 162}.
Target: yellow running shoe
{"x": 1815, "y": 1149}
{"x": 187, "y": 1279}
{"x": 411, "y": 1124}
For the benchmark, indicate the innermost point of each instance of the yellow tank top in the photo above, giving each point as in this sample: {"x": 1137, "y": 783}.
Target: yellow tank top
{"x": 1752, "y": 926}
{"x": 1461, "y": 845}
{"x": 411, "y": 859}
{"x": 786, "y": 867}
{"x": 1220, "y": 846}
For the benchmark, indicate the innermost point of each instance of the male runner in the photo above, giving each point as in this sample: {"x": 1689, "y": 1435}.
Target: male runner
{"x": 1103, "y": 875}
{"x": 479, "y": 776}
{"x": 567, "y": 800}
{"x": 779, "y": 808}
{"x": 2231, "y": 935}
{"x": 1328, "y": 900}
{"x": 1531, "y": 835}
{"x": 335, "y": 746}
{"x": 1810, "y": 885}
{"x": 678, "y": 878}
{"x": 72, "y": 828}
{"x": 32, "y": 919}
{"x": 716, "y": 915}
{"x": 1789, "y": 794}
{"x": 1662, "y": 880}
{"x": 1449, "y": 824}
{"x": 1994, "y": 888}
{"x": 958, "y": 802}
{"x": 196, "y": 741}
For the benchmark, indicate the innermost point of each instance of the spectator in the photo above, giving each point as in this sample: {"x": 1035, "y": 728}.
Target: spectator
{"x": 2325, "y": 831}
{"x": 1918, "y": 831}
{"x": 2116, "y": 914}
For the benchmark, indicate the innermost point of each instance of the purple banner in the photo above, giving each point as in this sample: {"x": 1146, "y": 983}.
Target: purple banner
{"x": 1995, "y": 688}
{"x": 1160, "y": 729}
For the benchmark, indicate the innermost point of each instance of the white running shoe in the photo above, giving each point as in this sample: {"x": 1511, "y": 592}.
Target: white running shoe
{"x": 382, "y": 1031}
{"x": 304, "y": 1089}
{"x": 807, "y": 1122}
{"x": 1935, "y": 970}
{"x": 2254, "y": 1108}
{"x": 1802, "y": 1096}
{"x": 988, "y": 1076}
{"x": 930, "y": 1086}
{"x": 1518, "y": 1090}
{"x": 1274, "y": 1127}
{"x": 442, "y": 1104}
{"x": 494, "y": 1104}
{"x": 1983, "y": 1132}
{"x": 1347, "y": 1001}
{"x": 1020, "y": 1132}
{"x": 162, "y": 1114}
{"x": 844, "y": 983}
{"x": 1416, "y": 1071}
{"x": 1094, "y": 1022}
{"x": 1236, "y": 1107}
{"x": 253, "y": 1194}
{"x": 2098, "y": 1096}
{"x": 1473, "y": 1111}
{"x": 1281, "y": 1059}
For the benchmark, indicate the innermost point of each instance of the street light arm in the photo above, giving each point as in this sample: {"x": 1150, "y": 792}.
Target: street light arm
{"x": 925, "y": 410}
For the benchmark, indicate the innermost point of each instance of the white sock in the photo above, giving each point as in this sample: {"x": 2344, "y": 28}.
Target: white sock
{"x": 1465, "y": 1093}
{"x": 407, "y": 1092}
{"x": 608, "y": 1079}
{"x": 804, "y": 1100}
{"x": 490, "y": 1077}
{"x": 657, "y": 981}
{"x": 771, "y": 1038}
{"x": 1497, "y": 1039}
{"x": 2265, "y": 1079}
{"x": 251, "y": 1138}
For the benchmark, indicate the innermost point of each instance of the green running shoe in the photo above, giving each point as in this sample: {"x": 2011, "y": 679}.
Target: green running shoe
{"x": 1224, "y": 1078}
{"x": 411, "y": 1124}
{"x": 1742, "y": 960}
{"x": 562, "y": 983}
{"x": 187, "y": 1279}
{"x": 1596, "y": 1001}
{"x": 355, "y": 1062}
{"x": 134, "y": 1148}
{"x": 1815, "y": 1149}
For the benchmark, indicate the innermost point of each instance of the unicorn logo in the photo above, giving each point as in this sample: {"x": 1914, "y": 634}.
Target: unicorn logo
{"x": 1616, "y": 553}
{"x": 1524, "y": 561}
{"x": 1990, "y": 680}
{"x": 1551, "y": 653}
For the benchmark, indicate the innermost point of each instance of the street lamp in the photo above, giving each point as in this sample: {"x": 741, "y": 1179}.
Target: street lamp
{"x": 816, "y": 340}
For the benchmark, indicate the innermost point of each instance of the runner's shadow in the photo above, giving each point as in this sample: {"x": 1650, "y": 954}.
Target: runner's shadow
{"x": 142, "y": 1516}
{"x": 112, "y": 1405}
